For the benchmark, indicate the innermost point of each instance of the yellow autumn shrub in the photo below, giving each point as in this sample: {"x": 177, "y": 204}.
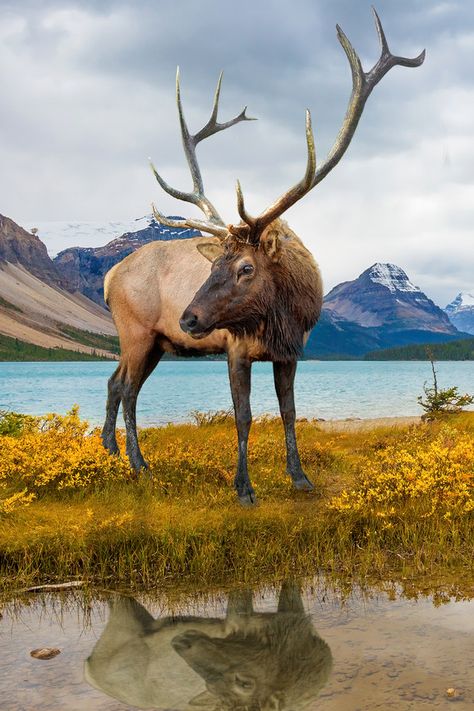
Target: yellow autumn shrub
{"x": 54, "y": 454}
{"x": 438, "y": 471}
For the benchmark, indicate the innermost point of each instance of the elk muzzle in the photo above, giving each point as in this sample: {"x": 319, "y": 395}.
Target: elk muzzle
{"x": 191, "y": 323}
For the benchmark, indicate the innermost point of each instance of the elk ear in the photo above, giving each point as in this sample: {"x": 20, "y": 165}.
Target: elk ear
{"x": 210, "y": 250}
{"x": 270, "y": 243}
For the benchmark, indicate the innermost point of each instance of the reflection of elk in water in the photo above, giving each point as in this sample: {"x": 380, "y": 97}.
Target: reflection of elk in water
{"x": 249, "y": 660}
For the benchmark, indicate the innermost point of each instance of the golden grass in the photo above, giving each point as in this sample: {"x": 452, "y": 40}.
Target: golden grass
{"x": 84, "y": 517}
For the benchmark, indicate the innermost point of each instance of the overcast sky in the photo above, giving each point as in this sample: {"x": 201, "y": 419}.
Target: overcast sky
{"x": 87, "y": 93}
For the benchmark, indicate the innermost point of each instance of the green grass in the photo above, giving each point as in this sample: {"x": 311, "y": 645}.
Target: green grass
{"x": 94, "y": 340}
{"x": 185, "y": 525}
{"x": 454, "y": 350}
{"x": 12, "y": 349}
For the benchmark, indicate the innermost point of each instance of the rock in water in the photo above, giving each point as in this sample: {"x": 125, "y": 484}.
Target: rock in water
{"x": 45, "y": 652}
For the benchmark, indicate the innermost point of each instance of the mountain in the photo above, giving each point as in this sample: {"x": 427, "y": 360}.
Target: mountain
{"x": 84, "y": 268}
{"x": 379, "y": 309}
{"x": 384, "y": 296}
{"x": 34, "y": 305}
{"x": 17, "y": 246}
{"x": 461, "y": 312}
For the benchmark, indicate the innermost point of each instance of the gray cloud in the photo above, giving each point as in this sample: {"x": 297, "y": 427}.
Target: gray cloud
{"x": 88, "y": 93}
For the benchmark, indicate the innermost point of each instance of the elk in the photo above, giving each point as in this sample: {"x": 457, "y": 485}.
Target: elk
{"x": 252, "y": 290}
{"x": 249, "y": 660}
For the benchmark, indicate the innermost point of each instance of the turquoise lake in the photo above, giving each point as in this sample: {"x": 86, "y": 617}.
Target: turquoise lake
{"x": 324, "y": 389}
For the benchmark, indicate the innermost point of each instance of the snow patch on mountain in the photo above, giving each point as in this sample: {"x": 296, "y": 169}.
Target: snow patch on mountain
{"x": 463, "y": 300}
{"x": 392, "y": 277}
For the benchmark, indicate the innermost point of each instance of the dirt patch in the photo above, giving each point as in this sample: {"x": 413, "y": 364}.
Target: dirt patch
{"x": 360, "y": 425}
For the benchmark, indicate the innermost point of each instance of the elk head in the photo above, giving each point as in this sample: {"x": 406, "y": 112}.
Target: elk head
{"x": 258, "y": 266}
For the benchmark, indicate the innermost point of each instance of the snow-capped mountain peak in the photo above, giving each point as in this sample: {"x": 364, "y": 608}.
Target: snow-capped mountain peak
{"x": 392, "y": 277}
{"x": 461, "y": 311}
{"x": 383, "y": 296}
{"x": 462, "y": 300}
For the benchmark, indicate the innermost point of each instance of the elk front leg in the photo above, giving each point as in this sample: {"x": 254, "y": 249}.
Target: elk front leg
{"x": 239, "y": 376}
{"x": 284, "y": 375}
{"x": 290, "y": 598}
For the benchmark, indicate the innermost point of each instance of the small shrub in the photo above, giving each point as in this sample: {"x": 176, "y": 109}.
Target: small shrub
{"x": 15, "y": 424}
{"x": 217, "y": 417}
{"x": 445, "y": 401}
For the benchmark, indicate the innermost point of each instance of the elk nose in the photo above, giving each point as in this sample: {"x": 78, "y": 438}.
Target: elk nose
{"x": 188, "y": 321}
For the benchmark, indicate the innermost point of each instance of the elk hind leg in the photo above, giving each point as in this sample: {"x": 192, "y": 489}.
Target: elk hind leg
{"x": 114, "y": 397}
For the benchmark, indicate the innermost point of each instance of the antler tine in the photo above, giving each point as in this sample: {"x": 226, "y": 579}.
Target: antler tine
{"x": 257, "y": 224}
{"x": 362, "y": 85}
{"x": 198, "y": 197}
{"x": 213, "y": 126}
{"x": 201, "y": 225}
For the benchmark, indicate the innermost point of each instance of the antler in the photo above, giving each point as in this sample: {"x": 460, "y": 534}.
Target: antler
{"x": 214, "y": 223}
{"x": 257, "y": 224}
{"x": 362, "y": 85}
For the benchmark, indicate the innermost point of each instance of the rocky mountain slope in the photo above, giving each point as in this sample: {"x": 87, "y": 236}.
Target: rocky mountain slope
{"x": 461, "y": 312}
{"x": 17, "y": 246}
{"x": 84, "y": 268}
{"x": 34, "y": 306}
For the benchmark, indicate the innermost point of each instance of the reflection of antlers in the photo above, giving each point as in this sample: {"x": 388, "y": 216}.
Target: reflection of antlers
{"x": 362, "y": 85}
{"x": 214, "y": 223}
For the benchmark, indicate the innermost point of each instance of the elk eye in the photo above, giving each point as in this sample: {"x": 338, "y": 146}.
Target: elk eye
{"x": 246, "y": 269}
{"x": 244, "y": 683}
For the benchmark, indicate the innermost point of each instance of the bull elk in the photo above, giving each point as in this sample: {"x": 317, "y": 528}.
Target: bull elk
{"x": 247, "y": 661}
{"x": 252, "y": 290}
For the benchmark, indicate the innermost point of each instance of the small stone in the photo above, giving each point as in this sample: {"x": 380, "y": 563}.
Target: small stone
{"x": 451, "y": 692}
{"x": 45, "y": 652}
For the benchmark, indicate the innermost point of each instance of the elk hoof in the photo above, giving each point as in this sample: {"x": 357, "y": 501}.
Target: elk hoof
{"x": 303, "y": 484}
{"x": 111, "y": 445}
{"x": 138, "y": 464}
{"x": 247, "y": 499}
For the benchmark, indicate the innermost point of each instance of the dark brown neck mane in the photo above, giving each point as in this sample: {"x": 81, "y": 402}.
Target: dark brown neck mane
{"x": 292, "y": 302}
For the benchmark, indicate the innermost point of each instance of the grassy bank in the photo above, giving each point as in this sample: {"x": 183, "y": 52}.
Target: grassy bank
{"x": 12, "y": 349}
{"x": 389, "y": 501}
